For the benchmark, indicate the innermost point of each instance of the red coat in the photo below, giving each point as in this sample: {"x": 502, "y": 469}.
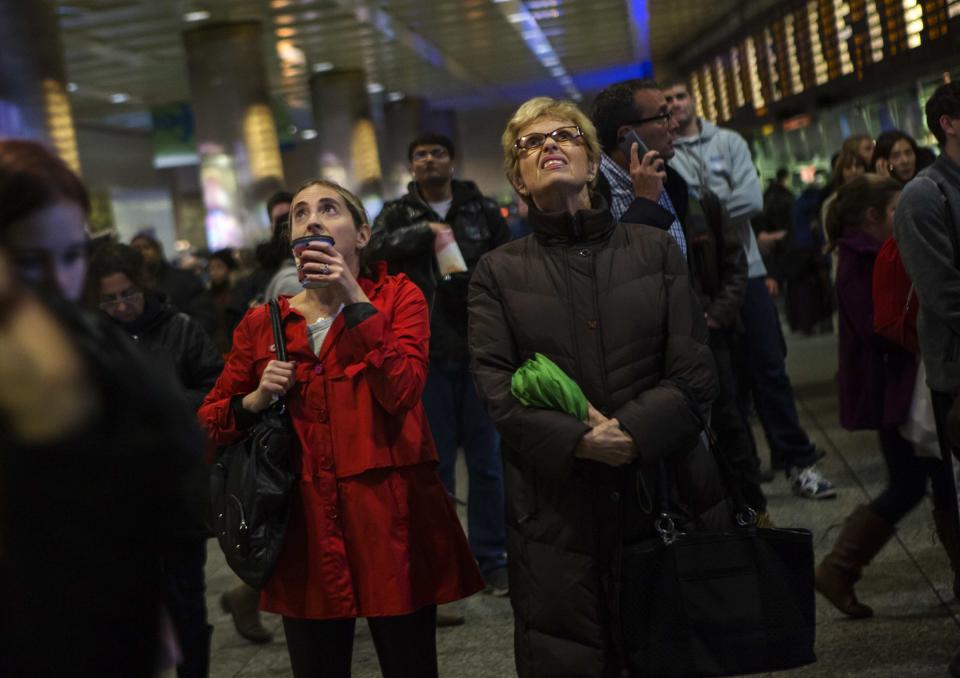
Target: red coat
{"x": 372, "y": 531}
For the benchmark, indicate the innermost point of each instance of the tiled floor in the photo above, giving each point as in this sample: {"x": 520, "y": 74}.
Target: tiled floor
{"x": 914, "y": 633}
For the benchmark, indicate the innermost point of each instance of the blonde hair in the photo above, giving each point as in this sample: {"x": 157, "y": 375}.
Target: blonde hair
{"x": 545, "y": 107}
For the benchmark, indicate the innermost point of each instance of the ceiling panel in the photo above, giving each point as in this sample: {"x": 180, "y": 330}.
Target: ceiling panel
{"x": 438, "y": 49}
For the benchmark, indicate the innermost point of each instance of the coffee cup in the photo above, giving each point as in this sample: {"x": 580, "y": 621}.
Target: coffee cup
{"x": 298, "y": 246}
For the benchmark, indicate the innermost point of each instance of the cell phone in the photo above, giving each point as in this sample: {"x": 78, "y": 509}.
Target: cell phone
{"x": 628, "y": 140}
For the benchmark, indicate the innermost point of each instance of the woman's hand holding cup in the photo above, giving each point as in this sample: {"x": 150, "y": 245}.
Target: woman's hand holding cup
{"x": 276, "y": 380}
{"x": 321, "y": 265}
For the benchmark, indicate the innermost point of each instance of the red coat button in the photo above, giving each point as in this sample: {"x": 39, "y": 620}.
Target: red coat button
{"x": 323, "y": 416}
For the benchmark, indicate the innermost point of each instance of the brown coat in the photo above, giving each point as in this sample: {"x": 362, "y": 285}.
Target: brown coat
{"x": 612, "y": 306}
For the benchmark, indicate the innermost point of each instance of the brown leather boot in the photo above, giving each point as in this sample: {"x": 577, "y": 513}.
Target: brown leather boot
{"x": 243, "y": 603}
{"x": 947, "y": 531}
{"x": 863, "y": 535}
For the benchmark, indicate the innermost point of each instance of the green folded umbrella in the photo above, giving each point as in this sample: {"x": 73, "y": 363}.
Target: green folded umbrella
{"x": 540, "y": 383}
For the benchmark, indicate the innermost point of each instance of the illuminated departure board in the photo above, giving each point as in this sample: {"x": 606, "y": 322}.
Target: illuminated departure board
{"x": 815, "y": 42}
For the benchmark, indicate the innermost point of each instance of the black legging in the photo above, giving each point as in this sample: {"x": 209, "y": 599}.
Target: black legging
{"x": 907, "y": 483}
{"x": 323, "y": 648}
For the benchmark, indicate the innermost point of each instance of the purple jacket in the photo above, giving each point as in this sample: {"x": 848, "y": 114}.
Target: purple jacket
{"x": 876, "y": 377}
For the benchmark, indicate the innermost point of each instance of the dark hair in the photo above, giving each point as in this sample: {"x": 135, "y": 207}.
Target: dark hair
{"x": 276, "y": 199}
{"x": 226, "y": 256}
{"x": 674, "y": 81}
{"x": 885, "y": 143}
{"x": 945, "y": 100}
{"x": 847, "y": 212}
{"x": 116, "y": 258}
{"x": 429, "y": 139}
{"x": 846, "y": 158}
{"x": 32, "y": 178}
{"x": 616, "y": 106}
{"x": 782, "y": 174}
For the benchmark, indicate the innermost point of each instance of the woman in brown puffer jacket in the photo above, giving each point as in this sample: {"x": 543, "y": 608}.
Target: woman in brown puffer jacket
{"x": 611, "y": 304}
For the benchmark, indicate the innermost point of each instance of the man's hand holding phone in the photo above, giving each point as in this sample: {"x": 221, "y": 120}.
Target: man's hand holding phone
{"x": 647, "y": 172}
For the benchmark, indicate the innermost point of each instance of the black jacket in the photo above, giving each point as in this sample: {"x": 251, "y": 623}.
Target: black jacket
{"x": 178, "y": 345}
{"x": 612, "y": 306}
{"x": 716, "y": 255}
{"x": 86, "y": 520}
{"x": 186, "y": 291}
{"x": 402, "y": 238}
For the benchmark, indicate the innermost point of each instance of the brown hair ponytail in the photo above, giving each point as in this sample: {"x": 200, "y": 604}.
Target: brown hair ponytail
{"x": 848, "y": 210}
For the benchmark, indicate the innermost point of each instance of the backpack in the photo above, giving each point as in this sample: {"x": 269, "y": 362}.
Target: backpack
{"x": 895, "y": 303}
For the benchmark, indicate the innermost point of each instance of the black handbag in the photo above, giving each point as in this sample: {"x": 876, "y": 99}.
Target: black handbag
{"x": 250, "y": 486}
{"x": 717, "y": 603}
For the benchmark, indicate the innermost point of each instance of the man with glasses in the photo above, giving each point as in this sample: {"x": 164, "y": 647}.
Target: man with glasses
{"x": 718, "y": 159}
{"x": 636, "y": 132}
{"x": 436, "y": 234}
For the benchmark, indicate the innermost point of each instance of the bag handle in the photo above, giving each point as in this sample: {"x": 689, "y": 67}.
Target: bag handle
{"x": 279, "y": 343}
{"x": 278, "y": 340}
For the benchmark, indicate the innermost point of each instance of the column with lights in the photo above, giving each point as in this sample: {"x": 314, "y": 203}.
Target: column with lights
{"x": 33, "y": 94}
{"x": 345, "y": 130}
{"x": 240, "y": 163}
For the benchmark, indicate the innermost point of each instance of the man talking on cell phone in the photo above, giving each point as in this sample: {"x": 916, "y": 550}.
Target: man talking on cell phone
{"x": 637, "y": 132}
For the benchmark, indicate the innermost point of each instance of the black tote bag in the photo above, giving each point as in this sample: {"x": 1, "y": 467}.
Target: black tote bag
{"x": 718, "y": 603}
{"x": 250, "y": 487}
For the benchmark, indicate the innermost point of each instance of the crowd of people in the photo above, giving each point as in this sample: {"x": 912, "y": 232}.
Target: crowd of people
{"x": 646, "y": 266}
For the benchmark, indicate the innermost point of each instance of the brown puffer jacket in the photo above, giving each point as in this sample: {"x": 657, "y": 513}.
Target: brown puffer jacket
{"x": 611, "y": 305}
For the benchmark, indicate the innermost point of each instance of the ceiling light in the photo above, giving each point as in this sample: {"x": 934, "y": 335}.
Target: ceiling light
{"x": 119, "y": 98}
{"x": 199, "y": 15}
{"x": 395, "y": 96}
{"x": 374, "y": 87}
{"x": 72, "y": 87}
{"x": 308, "y": 134}
{"x": 322, "y": 67}
{"x": 517, "y": 18}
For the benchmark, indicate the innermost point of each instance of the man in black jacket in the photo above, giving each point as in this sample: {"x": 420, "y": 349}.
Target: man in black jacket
{"x": 182, "y": 288}
{"x": 636, "y": 133}
{"x": 177, "y": 345}
{"x": 437, "y": 212}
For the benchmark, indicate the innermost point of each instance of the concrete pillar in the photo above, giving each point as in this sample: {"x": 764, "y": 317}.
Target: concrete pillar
{"x": 240, "y": 163}
{"x": 33, "y": 94}
{"x": 345, "y": 131}
{"x": 404, "y": 120}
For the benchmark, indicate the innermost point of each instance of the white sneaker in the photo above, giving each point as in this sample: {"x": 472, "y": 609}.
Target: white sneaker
{"x": 810, "y": 484}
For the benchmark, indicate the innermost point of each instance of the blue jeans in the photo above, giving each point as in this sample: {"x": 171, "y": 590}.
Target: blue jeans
{"x": 765, "y": 352}
{"x": 458, "y": 418}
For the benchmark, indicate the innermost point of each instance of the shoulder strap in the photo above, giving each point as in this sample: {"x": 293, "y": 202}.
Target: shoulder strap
{"x": 278, "y": 339}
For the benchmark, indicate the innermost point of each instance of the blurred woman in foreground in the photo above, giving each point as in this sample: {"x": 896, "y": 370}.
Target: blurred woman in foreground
{"x": 96, "y": 450}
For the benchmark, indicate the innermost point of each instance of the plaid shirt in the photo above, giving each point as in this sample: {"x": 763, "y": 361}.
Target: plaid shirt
{"x": 622, "y": 196}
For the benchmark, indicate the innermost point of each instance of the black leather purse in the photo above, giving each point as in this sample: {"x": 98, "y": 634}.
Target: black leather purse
{"x": 250, "y": 487}
{"x": 717, "y": 602}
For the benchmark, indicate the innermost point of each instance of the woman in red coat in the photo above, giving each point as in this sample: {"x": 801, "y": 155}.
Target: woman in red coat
{"x": 372, "y": 531}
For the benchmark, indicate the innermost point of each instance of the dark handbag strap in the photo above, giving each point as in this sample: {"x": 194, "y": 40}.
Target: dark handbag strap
{"x": 279, "y": 343}
{"x": 278, "y": 340}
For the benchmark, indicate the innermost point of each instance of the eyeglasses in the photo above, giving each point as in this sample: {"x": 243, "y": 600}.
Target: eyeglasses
{"x": 661, "y": 119}
{"x": 562, "y": 135}
{"x": 437, "y": 153}
{"x": 111, "y": 301}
